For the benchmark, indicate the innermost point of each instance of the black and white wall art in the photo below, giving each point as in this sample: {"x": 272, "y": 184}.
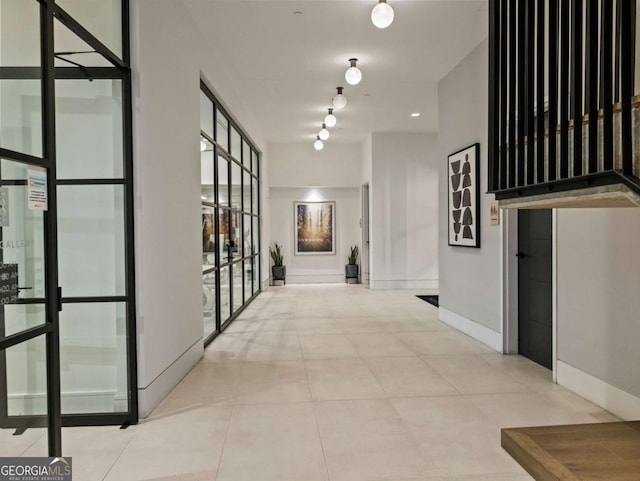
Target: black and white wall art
{"x": 464, "y": 197}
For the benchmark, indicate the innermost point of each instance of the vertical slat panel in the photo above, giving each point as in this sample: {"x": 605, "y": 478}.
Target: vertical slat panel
{"x": 607, "y": 83}
{"x": 503, "y": 92}
{"x": 553, "y": 87}
{"x": 494, "y": 88}
{"x": 522, "y": 99}
{"x": 513, "y": 95}
{"x": 627, "y": 62}
{"x": 540, "y": 77}
{"x": 577, "y": 78}
{"x": 591, "y": 82}
{"x": 618, "y": 38}
{"x": 530, "y": 83}
{"x": 564, "y": 88}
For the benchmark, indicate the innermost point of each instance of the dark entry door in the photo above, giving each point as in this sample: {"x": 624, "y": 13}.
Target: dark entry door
{"x": 535, "y": 286}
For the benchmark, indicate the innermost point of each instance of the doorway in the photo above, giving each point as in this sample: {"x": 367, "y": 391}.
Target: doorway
{"x": 364, "y": 260}
{"x": 535, "y": 285}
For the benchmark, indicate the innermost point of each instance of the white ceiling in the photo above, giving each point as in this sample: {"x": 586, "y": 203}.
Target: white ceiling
{"x": 287, "y": 66}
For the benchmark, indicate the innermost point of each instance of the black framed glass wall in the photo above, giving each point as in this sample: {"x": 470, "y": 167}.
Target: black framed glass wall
{"x": 65, "y": 107}
{"x": 230, "y": 216}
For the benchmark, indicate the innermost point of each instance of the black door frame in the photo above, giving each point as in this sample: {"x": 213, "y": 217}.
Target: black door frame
{"x": 50, "y": 12}
{"x": 509, "y": 226}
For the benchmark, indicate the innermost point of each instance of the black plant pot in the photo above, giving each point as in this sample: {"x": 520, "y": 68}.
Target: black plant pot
{"x": 279, "y": 273}
{"x": 351, "y": 271}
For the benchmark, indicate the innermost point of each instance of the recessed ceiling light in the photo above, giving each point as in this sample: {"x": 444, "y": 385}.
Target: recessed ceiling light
{"x": 415, "y": 114}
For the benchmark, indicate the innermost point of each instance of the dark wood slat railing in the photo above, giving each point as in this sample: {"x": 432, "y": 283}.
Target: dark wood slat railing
{"x": 565, "y": 66}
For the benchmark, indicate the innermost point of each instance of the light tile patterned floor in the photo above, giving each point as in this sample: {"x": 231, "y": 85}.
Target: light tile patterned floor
{"x": 332, "y": 383}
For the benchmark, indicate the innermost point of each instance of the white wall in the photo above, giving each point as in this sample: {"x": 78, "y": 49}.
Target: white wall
{"x": 297, "y": 172}
{"x": 598, "y": 286}
{"x": 299, "y": 165}
{"x": 470, "y": 279}
{"x": 169, "y": 59}
{"x": 316, "y": 268}
{"x": 404, "y": 211}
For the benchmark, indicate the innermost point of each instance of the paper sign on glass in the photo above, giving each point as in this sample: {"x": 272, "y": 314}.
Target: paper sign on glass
{"x": 37, "y": 192}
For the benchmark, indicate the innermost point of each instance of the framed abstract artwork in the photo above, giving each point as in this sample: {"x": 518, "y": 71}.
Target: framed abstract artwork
{"x": 315, "y": 228}
{"x": 464, "y": 197}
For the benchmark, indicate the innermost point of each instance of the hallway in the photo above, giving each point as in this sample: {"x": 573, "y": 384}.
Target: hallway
{"x": 335, "y": 383}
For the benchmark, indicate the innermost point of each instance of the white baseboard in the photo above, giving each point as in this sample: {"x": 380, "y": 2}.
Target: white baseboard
{"x": 150, "y": 396}
{"x": 487, "y": 336}
{"x": 72, "y": 402}
{"x": 615, "y": 400}
{"x": 315, "y": 278}
{"x": 404, "y": 284}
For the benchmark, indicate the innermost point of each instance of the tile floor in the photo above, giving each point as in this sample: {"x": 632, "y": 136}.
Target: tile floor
{"x": 331, "y": 383}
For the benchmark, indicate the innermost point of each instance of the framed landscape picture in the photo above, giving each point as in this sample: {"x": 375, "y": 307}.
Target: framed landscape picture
{"x": 464, "y": 197}
{"x": 315, "y": 228}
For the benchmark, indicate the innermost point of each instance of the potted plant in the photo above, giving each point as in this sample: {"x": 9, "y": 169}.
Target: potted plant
{"x": 351, "y": 269}
{"x": 278, "y": 270}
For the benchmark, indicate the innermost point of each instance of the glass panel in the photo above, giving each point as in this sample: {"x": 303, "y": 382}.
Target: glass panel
{"x": 103, "y": 18}
{"x": 27, "y": 378}
{"x": 246, "y": 155}
{"x": 21, "y": 116}
{"x": 246, "y": 236}
{"x": 234, "y": 244}
{"x": 236, "y": 142}
{"x": 207, "y": 179}
{"x": 237, "y": 287}
{"x": 209, "y": 303}
{"x": 89, "y": 129}
{"x": 224, "y": 218}
{"x": 236, "y": 182}
{"x": 206, "y": 115}
{"x": 21, "y": 231}
{"x": 246, "y": 191}
{"x": 19, "y": 33}
{"x": 256, "y": 274}
{"x": 225, "y": 298}
{"x": 222, "y": 134}
{"x": 223, "y": 181}
{"x": 91, "y": 245}
{"x": 70, "y": 47}
{"x": 248, "y": 278}
{"x": 254, "y": 162}
{"x": 93, "y": 356}
{"x": 255, "y": 196}
{"x": 208, "y": 237}
{"x": 254, "y": 235}
{"x": 15, "y": 318}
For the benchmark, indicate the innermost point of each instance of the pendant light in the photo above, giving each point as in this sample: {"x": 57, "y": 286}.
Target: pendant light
{"x": 203, "y": 145}
{"x": 324, "y": 133}
{"x": 353, "y": 75}
{"x": 318, "y": 144}
{"x": 382, "y": 14}
{"x": 339, "y": 101}
{"x": 330, "y": 119}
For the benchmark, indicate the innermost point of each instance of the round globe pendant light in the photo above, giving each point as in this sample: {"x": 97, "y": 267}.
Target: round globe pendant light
{"x": 324, "y": 133}
{"x": 353, "y": 75}
{"x": 382, "y": 14}
{"x": 318, "y": 144}
{"x": 203, "y": 145}
{"x": 330, "y": 119}
{"x": 339, "y": 101}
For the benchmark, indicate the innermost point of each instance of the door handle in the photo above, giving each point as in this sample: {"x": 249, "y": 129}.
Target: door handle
{"x": 521, "y": 255}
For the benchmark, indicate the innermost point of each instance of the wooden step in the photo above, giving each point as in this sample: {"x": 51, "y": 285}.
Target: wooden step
{"x": 577, "y": 452}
